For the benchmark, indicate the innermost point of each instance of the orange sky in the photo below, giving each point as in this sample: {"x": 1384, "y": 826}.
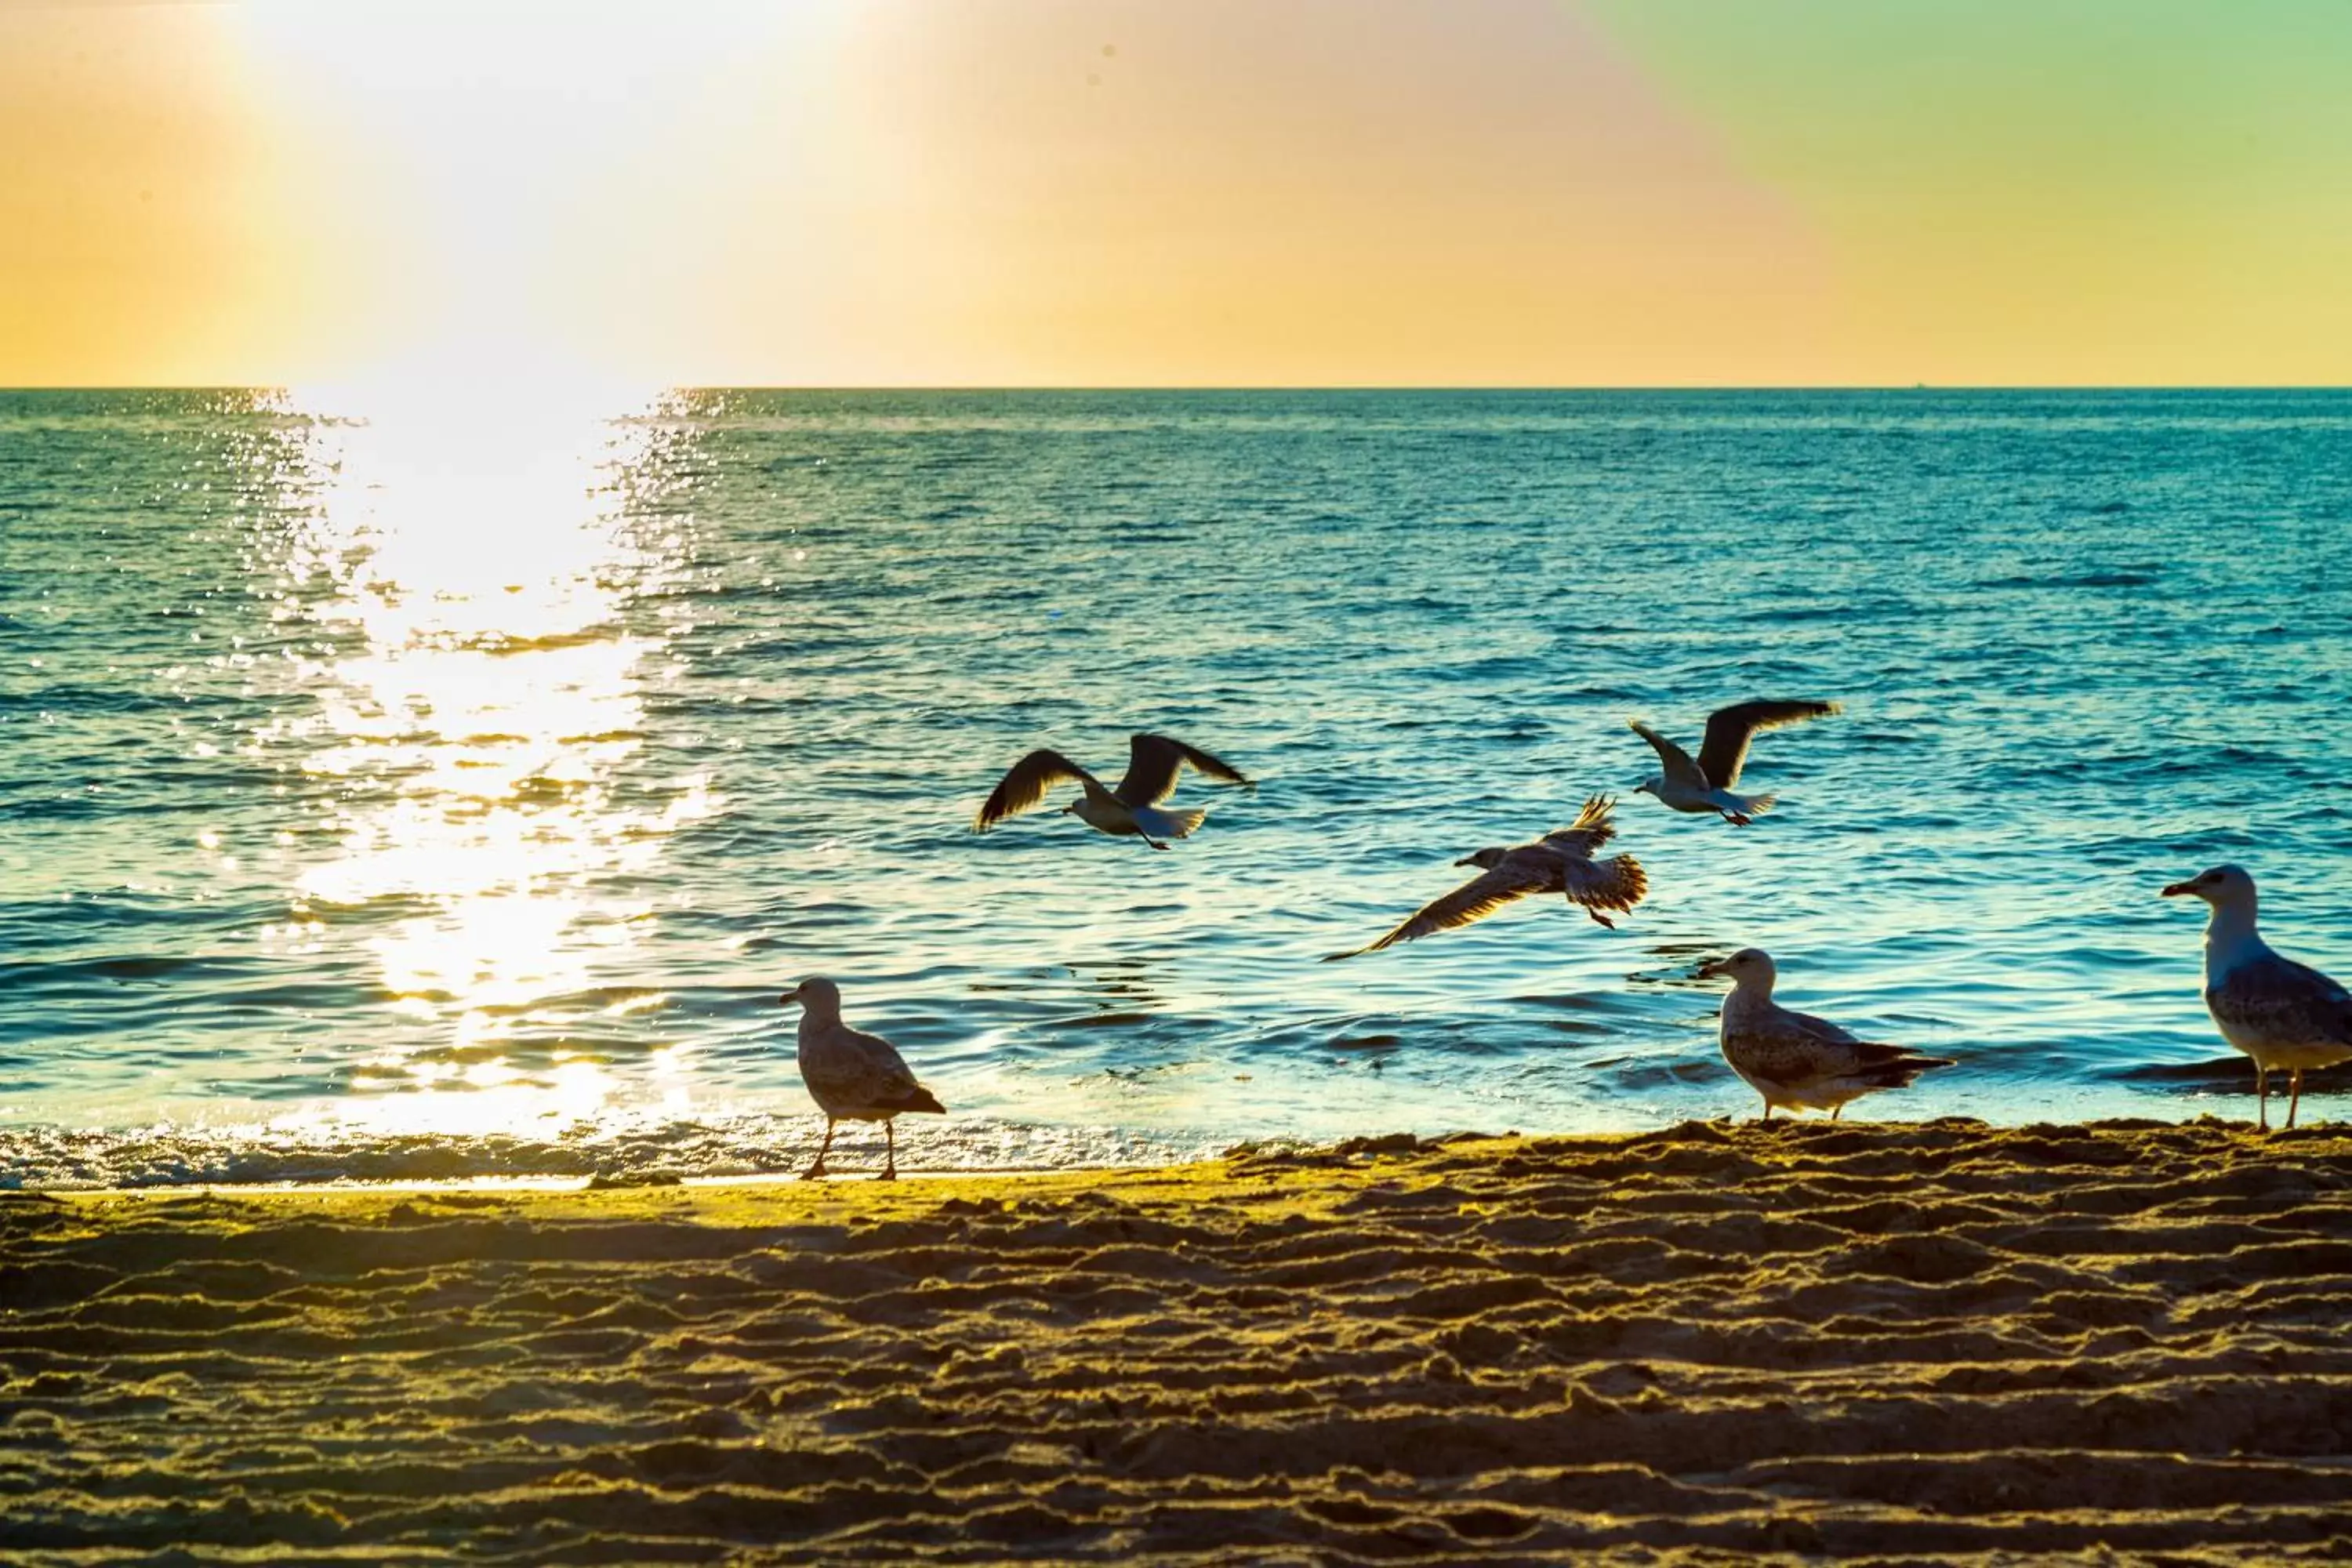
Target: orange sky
{"x": 1085, "y": 192}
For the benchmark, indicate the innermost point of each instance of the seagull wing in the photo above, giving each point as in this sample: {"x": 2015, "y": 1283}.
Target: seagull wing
{"x": 1796, "y": 1050}
{"x": 1026, "y": 785}
{"x": 1616, "y": 883}
{"x": 1472, "y": 900}
{"x": 2286, "y": 1001}
{"x": 1728, "y": 731}
{"x": 857, "y": 1071}
{"x": 1679, "y": 767}
{"x": 1153, "y": 762}
{"x": 1589, "y": 832}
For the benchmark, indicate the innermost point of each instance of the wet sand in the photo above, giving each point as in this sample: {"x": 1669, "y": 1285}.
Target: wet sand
{"x": 1916, "y": 1342}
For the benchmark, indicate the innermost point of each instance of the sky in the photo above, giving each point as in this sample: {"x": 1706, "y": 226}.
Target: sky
{"x": 1215, "y": 192}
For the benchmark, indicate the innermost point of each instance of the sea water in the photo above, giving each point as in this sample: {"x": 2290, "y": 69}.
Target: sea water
{"x": 453, "y": 789}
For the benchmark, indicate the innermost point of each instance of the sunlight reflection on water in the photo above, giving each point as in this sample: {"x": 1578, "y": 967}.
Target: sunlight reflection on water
{"x": 498, "y": 696}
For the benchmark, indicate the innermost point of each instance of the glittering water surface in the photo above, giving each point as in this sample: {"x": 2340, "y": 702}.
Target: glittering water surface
{"x": 453, "y": 789}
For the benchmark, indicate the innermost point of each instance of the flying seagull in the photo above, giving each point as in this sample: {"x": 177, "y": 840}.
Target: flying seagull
{"x": 1133, "y": 808}
{"x": 1795, "y": 1060}
{"x": 2281, "y": 1013}
{"x": 851, "y": 1074}
{"x": 1706, "y": 785}
{"x": 1559, "y": 862}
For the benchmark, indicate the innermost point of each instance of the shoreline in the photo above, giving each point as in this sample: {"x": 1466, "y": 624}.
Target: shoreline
{"x": 1879, "y": 1339}
{"x": 1254, "y": 1153}
{"x": 242, "y": 1155}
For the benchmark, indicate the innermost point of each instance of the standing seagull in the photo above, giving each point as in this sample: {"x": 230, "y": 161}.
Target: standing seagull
{"x": 852, "y": 1076}
{"x": 1153, "y": 764}
{"x": 1706, "y": 785}
{"x": 1793, "y": 1058}
{"x": 2276, "y": 1010}
{"x": 1559, "y": 862}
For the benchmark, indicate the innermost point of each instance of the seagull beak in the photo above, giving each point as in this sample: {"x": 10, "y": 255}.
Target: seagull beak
{"x": 789, "y": 998}
{"x": 1466, "y": 860}
{"x": 1712, "y": 969}
{"x": 2177, "y": 890}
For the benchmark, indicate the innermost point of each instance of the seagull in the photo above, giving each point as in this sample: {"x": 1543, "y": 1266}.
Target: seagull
{"x": 852, "y": 1076}
{"x": 2279, "y": 1012}
{"x": 1559, "y": 862}
{"x": 1795, "y": 1060}
{"x": 1153, "y": 764}
{"x": 1706, "y": 785}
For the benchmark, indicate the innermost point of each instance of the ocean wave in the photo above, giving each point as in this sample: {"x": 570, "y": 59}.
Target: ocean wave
{"x": 629, "y": 1151}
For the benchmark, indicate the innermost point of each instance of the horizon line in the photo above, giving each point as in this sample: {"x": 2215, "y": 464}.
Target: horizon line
{"x": 1531, "y": 387}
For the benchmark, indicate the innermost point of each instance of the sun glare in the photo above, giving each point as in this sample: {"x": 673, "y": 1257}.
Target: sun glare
{"x": 481, "y": 729}
{"x": 497, "y": 183}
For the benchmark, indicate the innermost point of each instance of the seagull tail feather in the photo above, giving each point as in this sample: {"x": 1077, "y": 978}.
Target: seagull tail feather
{"x": 1898, "y": 1071}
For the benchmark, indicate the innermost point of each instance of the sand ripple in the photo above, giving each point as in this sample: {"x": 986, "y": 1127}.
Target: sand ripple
{"x": 1903, "y": 1343}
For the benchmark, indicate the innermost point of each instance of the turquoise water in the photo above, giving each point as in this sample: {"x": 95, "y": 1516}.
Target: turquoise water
{"x": 454, "y": 790}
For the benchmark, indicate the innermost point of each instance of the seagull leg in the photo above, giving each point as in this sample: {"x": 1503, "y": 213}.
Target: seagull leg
{"x": 890, "y": 1137}
{"x": 816, "y": 1170}
{"x": 1835, "y": 1111}
{"x": 2263, "y": 1094}
{"x": 2294, "y": 1094}
{"x": 1153, "y": 842}
{"x": 1737, "y": 818}
{"x": 1767, "y": 1111}
{"x": 1601, "y": 920}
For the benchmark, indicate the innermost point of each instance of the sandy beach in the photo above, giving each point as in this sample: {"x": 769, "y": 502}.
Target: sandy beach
{"x": 1894, "y": 1342}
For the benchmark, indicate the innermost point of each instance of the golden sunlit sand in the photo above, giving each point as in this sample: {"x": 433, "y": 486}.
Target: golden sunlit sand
{"x": 1894, "y": 1342}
